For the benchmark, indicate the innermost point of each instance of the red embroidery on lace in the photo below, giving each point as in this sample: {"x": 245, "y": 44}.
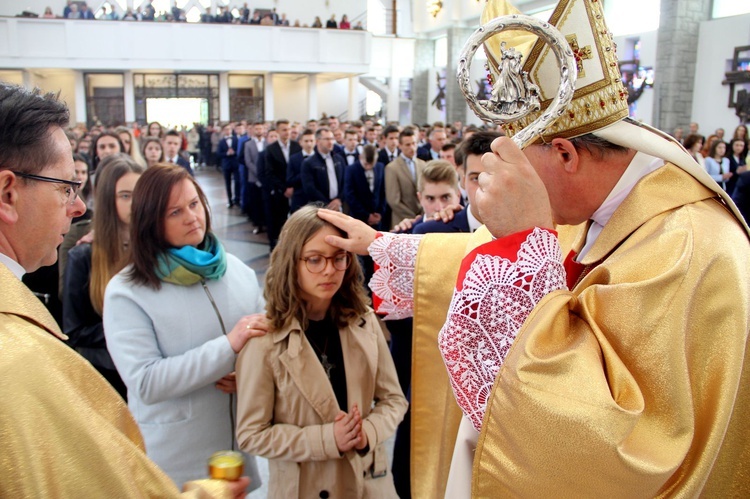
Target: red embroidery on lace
{"x": 495, "y": 299}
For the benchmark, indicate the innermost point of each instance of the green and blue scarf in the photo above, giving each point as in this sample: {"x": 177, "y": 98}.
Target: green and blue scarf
{"x": 189, "y": 265}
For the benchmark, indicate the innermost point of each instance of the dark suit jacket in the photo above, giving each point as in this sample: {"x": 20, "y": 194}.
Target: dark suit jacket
{"x": 741, "y": 195}
{"x": 383, "y": 155}
{"x": 460, "y": 223}
{"x": 184, "y": 163}
{"x": 733, "y": 165}
{"x": 315, "y": 177}
{"x": 362, "y": 202}
{"x": 222, "y": 149}
{"x": 293, "y": 179}
{"x": 273, "y": 174}
{"x": 424, "y": 153}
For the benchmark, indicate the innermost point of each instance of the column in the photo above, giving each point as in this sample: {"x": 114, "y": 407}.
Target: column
{"x": 455, "y": 103}
{"x": 80, "y": 99}
{"x": 353, "y": 108}
{"x": 28, "y": 81}
{"x": 424, "y": 60}
{"x": 312, "y": 96}
{"x": 224, "y": 96}
{"x": 676, "y": 52}
{"x": 129, "y": 96}
{"x": 268, "y": 98}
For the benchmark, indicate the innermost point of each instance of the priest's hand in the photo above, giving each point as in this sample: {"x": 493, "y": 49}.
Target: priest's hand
{"x": 238, "y": 488}
{"x": 359, "y": 235}
{"x": 511, "y": 196}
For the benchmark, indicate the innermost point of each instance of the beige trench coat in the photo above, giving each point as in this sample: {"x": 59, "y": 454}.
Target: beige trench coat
{"x": 286, "y": 409}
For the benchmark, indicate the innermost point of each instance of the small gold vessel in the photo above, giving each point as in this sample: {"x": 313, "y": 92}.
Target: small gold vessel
{"x": 226, "y": 465}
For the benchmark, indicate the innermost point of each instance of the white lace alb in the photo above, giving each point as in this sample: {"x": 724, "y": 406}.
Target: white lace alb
{"x": 496, "y": 297}
{"x": 393, "y": 282}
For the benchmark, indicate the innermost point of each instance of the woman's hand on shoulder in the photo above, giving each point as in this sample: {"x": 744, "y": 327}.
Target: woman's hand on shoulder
{"x": 248, "y": 327}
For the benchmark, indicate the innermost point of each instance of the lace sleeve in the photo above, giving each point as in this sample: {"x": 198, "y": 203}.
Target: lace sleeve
{"x": 395, "y": 257}
{"x": 494, "y": 296}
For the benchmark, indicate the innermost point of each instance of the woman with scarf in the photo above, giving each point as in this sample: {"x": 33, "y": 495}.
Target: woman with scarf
{"x": 175, "y": 319}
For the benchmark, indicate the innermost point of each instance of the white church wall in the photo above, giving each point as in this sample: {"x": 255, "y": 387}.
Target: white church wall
{"x": 716, "y": 44}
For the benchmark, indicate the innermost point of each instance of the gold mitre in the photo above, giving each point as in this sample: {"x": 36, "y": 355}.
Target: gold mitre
{"x": 600, "y": 98}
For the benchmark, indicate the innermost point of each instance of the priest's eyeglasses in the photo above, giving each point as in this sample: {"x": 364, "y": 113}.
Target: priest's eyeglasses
{"x": 71, "y": 189}
{"x": 317, "y": 263}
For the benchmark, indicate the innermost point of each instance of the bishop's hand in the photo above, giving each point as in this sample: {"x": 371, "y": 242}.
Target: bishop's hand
{"x": 511, "y": 196}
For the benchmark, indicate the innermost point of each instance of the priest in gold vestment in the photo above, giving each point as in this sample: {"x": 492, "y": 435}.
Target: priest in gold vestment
{"x": 64, "y": 431}
{"x": 612, "y": 365}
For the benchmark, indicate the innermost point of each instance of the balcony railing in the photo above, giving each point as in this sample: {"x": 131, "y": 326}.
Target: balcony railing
{"x": 122, "y": 45}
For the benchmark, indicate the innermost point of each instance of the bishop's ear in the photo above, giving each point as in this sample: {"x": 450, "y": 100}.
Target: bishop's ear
{"x": 567, "y": 154}
{"x": 8, "y": 197}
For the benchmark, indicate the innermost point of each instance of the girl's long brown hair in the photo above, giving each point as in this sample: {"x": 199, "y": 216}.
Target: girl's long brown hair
{"x": 282, "y": 293}
{"x": 147, "y": 237}
{"x": 108, "y": 253}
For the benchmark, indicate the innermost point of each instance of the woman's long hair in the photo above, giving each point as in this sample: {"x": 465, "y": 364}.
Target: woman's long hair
{"x": 283, "y": 294}
{"x": 135, "y": 149}
{"x": 147, "y": 235}
{"x": 86, "y": 190}
{"x": 108, "y": 252}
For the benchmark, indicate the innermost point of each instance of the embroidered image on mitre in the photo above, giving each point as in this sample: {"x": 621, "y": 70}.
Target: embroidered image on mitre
{"x": 600, "y": 97}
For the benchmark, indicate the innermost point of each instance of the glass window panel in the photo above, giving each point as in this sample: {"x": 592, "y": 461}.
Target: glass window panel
{"x": 205, "y": 3}
{"x": 632, "y": 16}
{"x": 123, "y": 4}
{"x": 193, "y": 15}
{"x": 162, "y": 6}
{"x": 376, "y": 17}
{"x": 726, "y": 8}
{"x": 441, "y": 52}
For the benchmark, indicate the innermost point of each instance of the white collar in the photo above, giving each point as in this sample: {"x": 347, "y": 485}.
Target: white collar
{"x": 474, "y": 224}
{"x": 12, "y": 265}
{"x": 641, "y": 165}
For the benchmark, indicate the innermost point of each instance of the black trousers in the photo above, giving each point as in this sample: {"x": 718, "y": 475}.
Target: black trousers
{"x": 277, "y": 210}
{"x": 401, "y": 345}
{"x": 231, "y": 169}
{"x": 254, "y": 204}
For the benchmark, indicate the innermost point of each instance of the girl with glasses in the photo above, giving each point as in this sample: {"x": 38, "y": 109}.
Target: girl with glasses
{"x": 318, "y": 395}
